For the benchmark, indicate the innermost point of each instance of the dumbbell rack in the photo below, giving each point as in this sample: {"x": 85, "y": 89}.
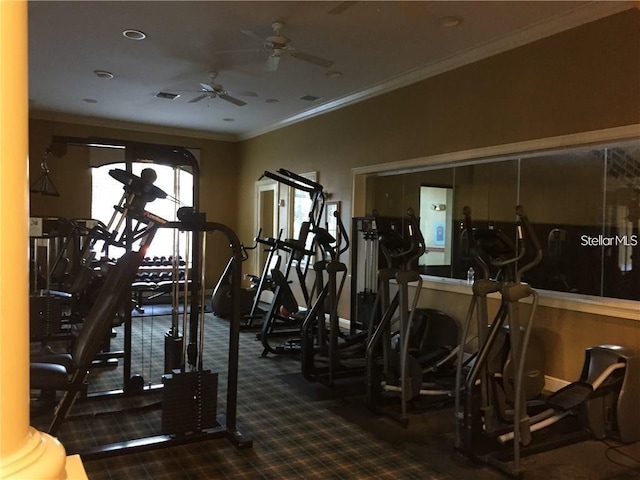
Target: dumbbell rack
{"x": 155, "y": 276}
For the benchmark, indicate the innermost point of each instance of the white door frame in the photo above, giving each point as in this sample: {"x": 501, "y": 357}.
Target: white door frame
{"x": 262, "y": 186}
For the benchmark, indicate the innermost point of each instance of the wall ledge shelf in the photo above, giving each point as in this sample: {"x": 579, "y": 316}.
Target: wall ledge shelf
{"x": 610, "y": 307}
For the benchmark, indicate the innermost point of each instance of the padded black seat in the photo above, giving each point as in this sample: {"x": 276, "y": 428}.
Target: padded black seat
{"x": 70, "y": 374}
{"x": 48, "y": 376}
{"x": 63, "y": 359}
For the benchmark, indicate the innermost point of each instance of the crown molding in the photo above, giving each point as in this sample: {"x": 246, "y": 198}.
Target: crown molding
{"x": 581, "y": 15}
{"x": 138, "y": 127}
{"x": 573, "y": 18}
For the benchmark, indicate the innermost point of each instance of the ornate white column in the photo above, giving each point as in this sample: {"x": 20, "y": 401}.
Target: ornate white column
{"x": 25, "y": 453}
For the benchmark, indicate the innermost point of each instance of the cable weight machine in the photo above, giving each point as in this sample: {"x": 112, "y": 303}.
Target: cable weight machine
{"x": 189, "y": 392}
{"x": 189, "y": 403}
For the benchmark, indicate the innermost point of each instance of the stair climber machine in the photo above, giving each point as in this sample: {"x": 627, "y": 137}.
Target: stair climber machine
{"x": 410, "y": 351}
{"x": 285, "y": 319}
{"x": 263, "y": 283}
{"x": 297, "y": 256}
{"x": 501, "y": 412}
{"x": 284, "y": 316}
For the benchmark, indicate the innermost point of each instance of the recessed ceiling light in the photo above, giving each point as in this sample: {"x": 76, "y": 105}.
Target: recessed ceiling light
{"x": 134, "y": 34}
{"x": 103, "y": 74}
{"x": 448, "y": 22}
{"x": 272, "y": 100}
{"x": 90, "y": 100}
{"x": 309, "y": 98}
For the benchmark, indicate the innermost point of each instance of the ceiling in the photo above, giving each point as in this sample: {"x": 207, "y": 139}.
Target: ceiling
{"x": 373, "y": 46}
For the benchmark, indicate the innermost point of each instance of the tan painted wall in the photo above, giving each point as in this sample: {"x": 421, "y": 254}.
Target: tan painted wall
{"x": 581, "y": 80}
{"x": 72, "y": 177}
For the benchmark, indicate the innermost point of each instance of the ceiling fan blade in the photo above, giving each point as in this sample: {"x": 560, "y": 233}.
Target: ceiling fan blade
{"x": 322, "y": 62}
{"x": 198, "y": 98}
{"x": 231, "y": 99}
{"x": 341, "y": 7}
{"x": 207, "y": 87}
{"x": 242, "y": 50}
{"x": 242, "y": 93}
{"x": 272, "y": 63}
{"x": 250, "y": 34}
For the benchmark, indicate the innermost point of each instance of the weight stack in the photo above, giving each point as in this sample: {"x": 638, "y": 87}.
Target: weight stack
{"x": 173, "y": 357}
{"x": 189, "y": 401}
{"x": 45, "y": 316}
{"x": 364, "y": 309}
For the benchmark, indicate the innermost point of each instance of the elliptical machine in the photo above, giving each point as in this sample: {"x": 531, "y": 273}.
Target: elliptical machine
{"x": 326, "y": 353}
{"x": 407, "y": 368}
{"x": 221, "y": 296}
{"x": 499, "y": 415}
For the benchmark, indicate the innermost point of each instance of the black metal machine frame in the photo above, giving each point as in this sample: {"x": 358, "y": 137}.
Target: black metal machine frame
{"x": 140, "y": 225}
{"x": 598, "y": 404}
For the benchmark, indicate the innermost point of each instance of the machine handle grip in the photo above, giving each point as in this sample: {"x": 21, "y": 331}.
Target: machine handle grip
{"x": 471, "y": 242}
{"x": 527, "y": 225}
{"x": 520, "y": 212}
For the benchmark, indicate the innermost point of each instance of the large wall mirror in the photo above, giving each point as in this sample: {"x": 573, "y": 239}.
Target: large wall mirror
{"x": 584, "y": 203}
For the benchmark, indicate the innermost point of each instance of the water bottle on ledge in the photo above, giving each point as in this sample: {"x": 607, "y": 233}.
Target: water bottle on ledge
{"x": 471, "y": 276}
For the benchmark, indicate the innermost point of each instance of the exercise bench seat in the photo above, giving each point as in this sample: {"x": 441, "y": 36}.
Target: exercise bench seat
{"x": 97, "y": 325}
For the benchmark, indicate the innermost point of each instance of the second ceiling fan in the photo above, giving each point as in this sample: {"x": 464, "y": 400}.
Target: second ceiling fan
{"x": 215, "y": 90}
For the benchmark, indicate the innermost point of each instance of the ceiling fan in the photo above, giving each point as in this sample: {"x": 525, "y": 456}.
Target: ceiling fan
{"x": 280, "y": 45}
{"x": 213, "y": 90}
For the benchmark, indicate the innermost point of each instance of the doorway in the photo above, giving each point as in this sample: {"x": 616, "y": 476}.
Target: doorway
{"x": 267, "y": 222}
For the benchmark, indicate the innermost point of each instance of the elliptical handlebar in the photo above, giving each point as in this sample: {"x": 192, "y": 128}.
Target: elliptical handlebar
{"x": 332, "y": 246}
{"x": 343, "y": 238}
{"x": 417, "y": 239}
{"x": 524, "y": 220}
{"x": 520, "y": 252}
{"x": 471, "y": 242}
{"x": 404, "y": 250}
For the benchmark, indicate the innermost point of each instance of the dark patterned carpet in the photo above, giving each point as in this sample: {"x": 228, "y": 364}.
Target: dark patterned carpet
{"x": 300, "y": 430}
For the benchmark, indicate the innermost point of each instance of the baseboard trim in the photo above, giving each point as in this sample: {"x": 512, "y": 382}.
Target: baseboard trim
{"x": 553, "y": 384}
